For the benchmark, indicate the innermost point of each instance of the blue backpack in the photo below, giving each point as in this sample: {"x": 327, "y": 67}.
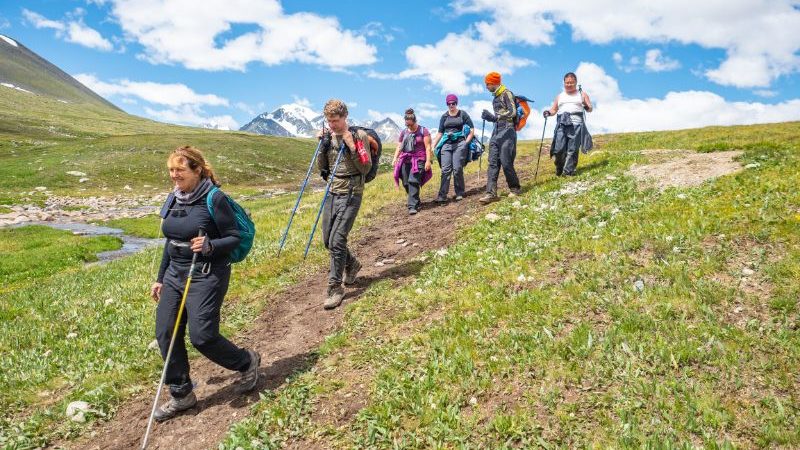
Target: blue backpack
{"x": 245, "y": 225}
{"x": 247, "y": 229}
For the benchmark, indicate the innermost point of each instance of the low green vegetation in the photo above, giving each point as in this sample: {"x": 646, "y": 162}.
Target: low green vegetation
{"x": 28, "y": 254}
{"x": 594, "y": 312}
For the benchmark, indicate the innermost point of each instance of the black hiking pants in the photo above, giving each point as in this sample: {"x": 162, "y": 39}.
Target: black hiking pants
{"x": 338, "y": 217}
{"x": 203, "y": 303}
{"x": 502, "y": 152}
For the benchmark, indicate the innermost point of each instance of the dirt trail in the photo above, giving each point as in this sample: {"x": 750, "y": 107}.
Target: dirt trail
{"x": 293, "y": 326}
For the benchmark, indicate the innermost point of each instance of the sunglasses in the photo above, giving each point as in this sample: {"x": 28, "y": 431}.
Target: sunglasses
{"x": 451, "y": 103}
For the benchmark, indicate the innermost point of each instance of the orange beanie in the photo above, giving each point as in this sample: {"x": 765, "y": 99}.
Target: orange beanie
{"x": 492, "y": 78}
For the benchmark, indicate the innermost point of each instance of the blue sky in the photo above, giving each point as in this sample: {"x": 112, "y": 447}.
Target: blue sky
{"x": 647, "y": 66}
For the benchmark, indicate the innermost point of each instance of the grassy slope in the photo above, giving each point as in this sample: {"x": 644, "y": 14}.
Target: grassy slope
{"x": 41, "y": 139}
{"x": 529, "y": 332}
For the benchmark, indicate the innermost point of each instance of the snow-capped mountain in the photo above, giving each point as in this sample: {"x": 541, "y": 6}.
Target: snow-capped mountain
{"x": 291, "y": 120}
{"x": 294, "y": 120}
{"x": 386, "y": 129}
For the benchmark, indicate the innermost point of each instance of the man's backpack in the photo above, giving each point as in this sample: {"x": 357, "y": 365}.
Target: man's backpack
{"x": 375, "y": 147}
{"x": 523, "y": 111}
{"x": 245, "y": 225}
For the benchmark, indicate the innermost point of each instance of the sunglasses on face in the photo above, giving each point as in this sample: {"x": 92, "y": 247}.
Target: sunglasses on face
{"x": 452, "y": 104}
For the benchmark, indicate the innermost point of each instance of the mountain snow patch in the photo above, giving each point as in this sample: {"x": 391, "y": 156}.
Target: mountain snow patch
{"x": 9, "y": 85}
{"x": 9, "y": 40}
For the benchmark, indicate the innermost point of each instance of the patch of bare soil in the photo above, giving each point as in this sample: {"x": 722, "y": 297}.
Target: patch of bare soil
{"x": 685, "y": 169}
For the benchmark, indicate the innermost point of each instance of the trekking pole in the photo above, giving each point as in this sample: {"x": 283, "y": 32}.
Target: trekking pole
{"x": 583, "y": 110}
{"x": 325, "y": 197}
{"x": 539, "y": 156}
{"x": 201, "y": 233}
{"x": 480, "y": 158}
{"x": 299, "y": 196}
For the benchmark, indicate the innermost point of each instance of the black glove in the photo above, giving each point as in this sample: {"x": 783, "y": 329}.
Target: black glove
{"x": 325, "y": 174}
{"x": 546, "y": 113}
{"x": 487, "y": 116}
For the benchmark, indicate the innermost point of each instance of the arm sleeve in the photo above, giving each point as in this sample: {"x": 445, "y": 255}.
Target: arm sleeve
{"x": 162, "y": 269}
{"x": 468, "y": 121}
{"x": 226, "y": 224}
{"x": 362, "y": 168}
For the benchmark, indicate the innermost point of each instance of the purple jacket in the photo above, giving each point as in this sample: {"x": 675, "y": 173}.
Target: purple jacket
{"x": 417, "y": 160}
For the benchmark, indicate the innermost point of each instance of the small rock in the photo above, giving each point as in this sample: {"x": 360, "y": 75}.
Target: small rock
{"x": 108, "y": 301}
{"x": 388, "y": 261}
{"x": 379, "y": 264}
{"x": 405, "y": 244}
{"x": 638, "y": 285}
{"x": 747, "y": 272}
{"x": 596, "y": 236}
{"x": 418, "y": 291}
{"x": 72, "y": 335}
{"x": 752, "y": 166}
{"x": 492, "y": 217}
{"x": 517, "y": 204}
{"x": 400, "y": 241}
{"x": 610, "y": 177}
{"x": 738, "y": 309}
{"x": 681, "y": 196}
{"x": 415, "y": 244}
{"x": 127, "y": 188}
{"x": 441, "y": 252}
{"x": 83, "y": 180}
{"x": 75, "y": 173}
{"x": 40, "y": 188}
{"x": 473, "y": 401}
{"x": 521, "y": 278}
{"x": 76, "y": 411}
{"x": 153, "y": 345}
{"x": 21, "y": 218}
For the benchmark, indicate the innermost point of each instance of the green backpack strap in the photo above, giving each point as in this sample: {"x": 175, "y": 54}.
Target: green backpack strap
{"x": 210, "y": 201}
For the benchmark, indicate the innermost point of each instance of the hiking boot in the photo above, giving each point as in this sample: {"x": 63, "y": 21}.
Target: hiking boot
{"x": 249, "y": 377}
{"x": 351, "y": 273}
{"x": 515, "y": 192}
{"x": 175, "y": 406}
{"x": 334, "y": 297}
{"x": 441, "y": 200}
{"x": 488, "y": 198}
{"x": 459, "y": 198}
{"x": 411, "y": 212}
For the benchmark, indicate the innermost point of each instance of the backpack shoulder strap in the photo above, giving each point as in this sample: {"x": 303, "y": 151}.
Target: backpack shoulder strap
{"x": 210, "y": 200}
{"x": 167, "y": 205}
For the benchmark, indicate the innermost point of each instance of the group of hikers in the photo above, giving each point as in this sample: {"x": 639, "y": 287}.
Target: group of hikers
{"x": 206, "y": 231}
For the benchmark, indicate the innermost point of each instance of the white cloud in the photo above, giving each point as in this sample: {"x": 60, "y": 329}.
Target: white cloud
{"x": 377, "y": 115}
{"x": 766, "y": 93}
{"x": 761, "y": 37}
{"x": 617, "y": 57}
{"x": 191, "y": 116}
{"x": 169, "y": 102}
{"x": 676, "y": 110}
{"x": 451, "y": 62}
{"x": 655, "y": 61}
{"x": 170, "y": 94}
{"x": 73, "y": 30}
{"x": 193, "y": 34}
{"x": 4, "y": 23}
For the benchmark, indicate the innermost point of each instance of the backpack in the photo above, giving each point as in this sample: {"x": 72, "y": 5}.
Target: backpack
{"x": 375, "y": 147}
{"x": 409, "y": 145}
{"x": 245, "y": 225}
{"x": 247, "y": 229}
{"x": 523, "y": 111}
